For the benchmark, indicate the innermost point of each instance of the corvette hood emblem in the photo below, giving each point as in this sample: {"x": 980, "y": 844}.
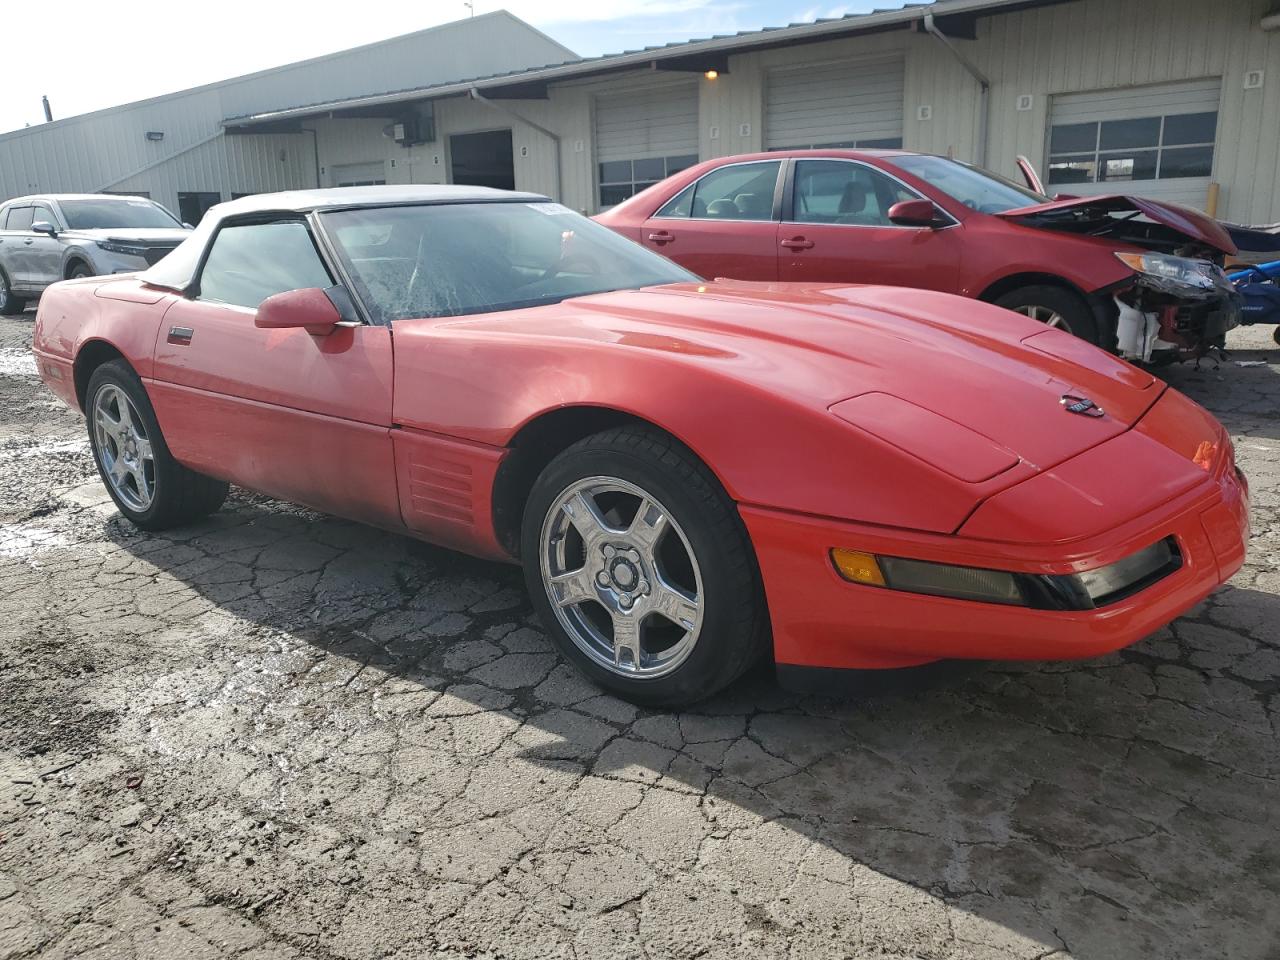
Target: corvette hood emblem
{"x": 1081, "y": 405}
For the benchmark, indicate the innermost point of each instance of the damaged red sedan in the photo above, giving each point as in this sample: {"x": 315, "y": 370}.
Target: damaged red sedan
{"x": 693, "y": 475}
{"x": 1135, "y": 276}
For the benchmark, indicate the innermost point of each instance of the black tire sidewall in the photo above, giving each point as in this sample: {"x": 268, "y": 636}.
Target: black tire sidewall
{"x": 10, "y": 303}
{"x": 156, "y": 516}
{"x": 79, "y": 271}
{"x": 1069, "y": 305}
{"x": 723, "y": 585}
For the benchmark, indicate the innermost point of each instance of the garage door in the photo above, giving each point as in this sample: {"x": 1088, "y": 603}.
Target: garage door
{"x": 1154, "y": 141}
{"x": 644, "y": 136}
{"x": 841, "y": 104}
{"x": 358, "y": 174}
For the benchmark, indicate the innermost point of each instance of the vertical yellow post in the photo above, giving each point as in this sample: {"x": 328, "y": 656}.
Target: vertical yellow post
{"x": 1211, "y": 202}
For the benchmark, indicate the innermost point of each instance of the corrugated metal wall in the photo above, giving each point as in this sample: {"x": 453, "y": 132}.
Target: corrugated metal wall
{"x": 108, "y": 150}
{"x": 1068, "y": 48}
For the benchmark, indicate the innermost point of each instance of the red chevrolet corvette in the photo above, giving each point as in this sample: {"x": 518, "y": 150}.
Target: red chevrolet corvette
{"x": 692, "y": 474}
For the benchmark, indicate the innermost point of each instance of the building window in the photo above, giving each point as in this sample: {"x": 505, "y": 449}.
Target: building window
{"x": 194, "y": 205}
{"x": 1139, "y": 148}
{"x": 882, "y": 143}
{"x": 620, "y": 179}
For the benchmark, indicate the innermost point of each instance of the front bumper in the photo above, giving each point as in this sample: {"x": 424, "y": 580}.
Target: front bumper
{"x": 821, "y": 620}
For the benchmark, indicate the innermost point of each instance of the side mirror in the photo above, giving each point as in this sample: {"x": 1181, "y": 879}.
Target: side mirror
{"x": 319, "y": 311}
{"x": 45, "y": 227}
{"x": 915, "y": 213}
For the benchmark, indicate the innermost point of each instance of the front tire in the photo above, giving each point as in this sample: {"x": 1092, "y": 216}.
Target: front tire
{"x": 148, "y": 485}
{"x": 641, "y": 568}
{"x": 11, "y": 305}
{"x": 1054, "y": 307}
{"x": 79, "y": 271}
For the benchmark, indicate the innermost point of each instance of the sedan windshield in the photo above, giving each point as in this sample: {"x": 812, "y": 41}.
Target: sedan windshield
{"x": 976, "y": 188}
{"x": 113, "y": 214}
{"x": 448, "y": 260}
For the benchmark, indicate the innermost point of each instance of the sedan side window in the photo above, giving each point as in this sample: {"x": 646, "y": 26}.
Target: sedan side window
{"x": 740, "y": 191}
{"x": 836, "y": 191}
{"x": 20, "y": 218}
{"x": 250, "y": 262}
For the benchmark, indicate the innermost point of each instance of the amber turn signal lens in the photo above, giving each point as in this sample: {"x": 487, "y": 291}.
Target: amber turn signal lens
{"x": 858, "y": 567}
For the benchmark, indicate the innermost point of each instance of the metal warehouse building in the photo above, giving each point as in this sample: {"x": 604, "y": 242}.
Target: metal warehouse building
{"x": 1177, "y": 99}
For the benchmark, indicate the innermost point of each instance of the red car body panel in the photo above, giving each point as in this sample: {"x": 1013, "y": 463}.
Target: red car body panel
{"x": 968, "y": 258}
{"x": 904, "y": 422}
{"x": 1193, "y": 223}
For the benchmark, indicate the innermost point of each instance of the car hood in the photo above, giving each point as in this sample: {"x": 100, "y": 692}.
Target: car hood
{"x": 1192, "y": 224}
{"x": 985, "y": 383}
{"x": 135, "y": 235}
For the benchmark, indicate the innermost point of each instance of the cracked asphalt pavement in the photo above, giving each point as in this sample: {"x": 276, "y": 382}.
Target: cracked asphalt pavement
{"x": 277, "y": 734}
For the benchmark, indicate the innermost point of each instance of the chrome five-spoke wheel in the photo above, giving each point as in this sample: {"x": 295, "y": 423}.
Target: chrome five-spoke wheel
{"x": 123, "y": 447}
{"x": 622, "y": 578}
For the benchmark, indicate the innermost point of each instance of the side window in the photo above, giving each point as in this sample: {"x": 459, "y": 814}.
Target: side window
{"x": 836, "y": 191}
{"x": 43, "y": 213}
{"x": 741, "y": 191}
{"x": 253, "y": 261}
{"x": 19, "y": 218}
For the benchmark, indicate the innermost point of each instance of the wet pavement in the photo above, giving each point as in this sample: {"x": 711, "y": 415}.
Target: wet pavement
{"x": 277, "y": 734}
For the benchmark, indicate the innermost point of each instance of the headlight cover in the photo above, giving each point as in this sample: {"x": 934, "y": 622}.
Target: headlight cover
{"x": 1078, "y": 591}
{"x": 1202, "y": 274}
{"x": 128, "y": 249}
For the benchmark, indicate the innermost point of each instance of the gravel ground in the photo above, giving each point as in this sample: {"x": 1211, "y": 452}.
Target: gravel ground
{"x": 278, "y": 735}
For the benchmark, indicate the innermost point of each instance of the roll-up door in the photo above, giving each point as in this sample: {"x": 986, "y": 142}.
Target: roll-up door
{"x": 644, "y": 136}
{"x": 1155, "y": 141}
{"x": 847, "y": 103}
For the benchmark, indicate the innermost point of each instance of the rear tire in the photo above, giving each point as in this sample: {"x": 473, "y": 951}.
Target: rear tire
{"x": 1056, "y": 307}
{"x": 11, "y": 305}
{"x": 658, "y": 559}
{"x": 148, "y": 485}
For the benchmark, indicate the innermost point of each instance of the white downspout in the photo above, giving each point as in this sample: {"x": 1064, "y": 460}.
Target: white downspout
{"x": 554, "y": 137}
{"x": 984, "y": 85}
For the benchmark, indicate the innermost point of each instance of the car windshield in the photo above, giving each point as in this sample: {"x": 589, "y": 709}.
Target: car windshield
{"x": 976, "y": 188}
{"x": 447, "y": 260}
{"x": 124, "y": 213}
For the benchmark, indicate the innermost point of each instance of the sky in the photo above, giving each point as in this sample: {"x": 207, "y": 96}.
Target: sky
{"x": 95, "y": 59}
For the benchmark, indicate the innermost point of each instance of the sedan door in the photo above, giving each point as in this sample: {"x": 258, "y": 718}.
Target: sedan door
{"x": 836, "y": 228}
{"x": 723, "y": 224}
{"x": 301, "y": 416}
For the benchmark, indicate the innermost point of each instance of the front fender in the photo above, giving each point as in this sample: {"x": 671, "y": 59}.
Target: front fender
{"x": 767, "y": 448}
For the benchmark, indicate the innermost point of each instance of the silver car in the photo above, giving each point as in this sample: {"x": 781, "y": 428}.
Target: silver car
{"x": 44, "y": 239}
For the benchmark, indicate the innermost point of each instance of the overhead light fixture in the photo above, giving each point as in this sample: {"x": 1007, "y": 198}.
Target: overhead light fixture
{"x": 711, "y": 74}
{"x": 155, "y": 134}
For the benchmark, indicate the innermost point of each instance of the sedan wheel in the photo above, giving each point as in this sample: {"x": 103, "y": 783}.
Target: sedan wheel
{"x": 622, "y": 577}
{"x": 1046, "y": 315}
{"x": 124, "y": 450}
{"x": 641, "y": 568}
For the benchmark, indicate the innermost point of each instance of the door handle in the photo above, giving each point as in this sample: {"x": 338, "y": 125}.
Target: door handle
{"x": 180, "y": 336}
{"x": 797, "y": 243}
{"x": 28, "y": 242}
{"x": 661, "y": 236}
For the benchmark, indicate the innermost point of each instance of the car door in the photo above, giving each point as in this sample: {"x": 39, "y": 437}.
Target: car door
{"x": 836, "y": 228}
{"x": 298, "y": 416}
{"x": 44, "y": 253}
{"x": 18, "y": 240}
{"x": 724, "y": 224}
